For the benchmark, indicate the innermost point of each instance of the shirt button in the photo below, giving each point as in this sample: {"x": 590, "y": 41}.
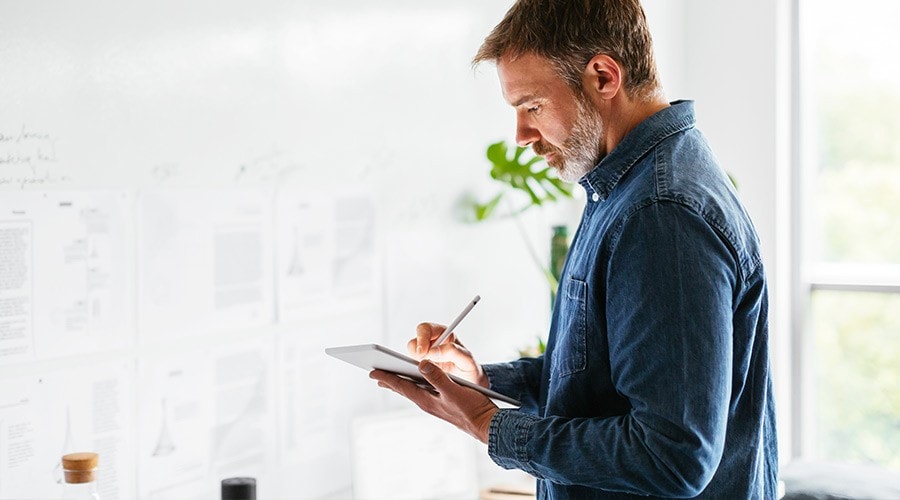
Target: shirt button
{"x": 595, "y": 197}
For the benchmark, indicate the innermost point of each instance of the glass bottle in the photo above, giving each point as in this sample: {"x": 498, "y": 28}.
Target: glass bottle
{"x": 67, "y": 447}
{"x": 79, "y": 472}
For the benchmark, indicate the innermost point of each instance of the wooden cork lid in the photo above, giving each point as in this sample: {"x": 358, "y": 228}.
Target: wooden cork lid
{"x": 79, "y": 467}
{"x": 80, "y": 461}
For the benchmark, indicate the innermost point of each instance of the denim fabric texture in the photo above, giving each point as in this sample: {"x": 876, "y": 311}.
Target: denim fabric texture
{"x": 656, "y": 378}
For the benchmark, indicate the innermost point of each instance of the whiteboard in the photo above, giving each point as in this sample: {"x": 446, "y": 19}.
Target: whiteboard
{"x": 171, "y": 119}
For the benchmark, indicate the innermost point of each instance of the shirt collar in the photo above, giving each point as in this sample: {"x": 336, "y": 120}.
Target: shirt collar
{"x": 600, "y": 181}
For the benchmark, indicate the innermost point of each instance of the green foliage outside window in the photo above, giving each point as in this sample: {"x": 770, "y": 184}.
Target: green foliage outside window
{"x": 856, "y": 206}
{"x": 857, "y": 342}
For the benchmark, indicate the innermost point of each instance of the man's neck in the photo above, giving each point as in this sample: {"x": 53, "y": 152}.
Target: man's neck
{"x": 624, "y": 115}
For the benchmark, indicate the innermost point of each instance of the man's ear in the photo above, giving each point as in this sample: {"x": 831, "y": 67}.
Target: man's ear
{"x": 602, "y": 77}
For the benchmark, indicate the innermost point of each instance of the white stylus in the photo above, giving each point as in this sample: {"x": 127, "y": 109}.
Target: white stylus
{"x": 453, "y": 324}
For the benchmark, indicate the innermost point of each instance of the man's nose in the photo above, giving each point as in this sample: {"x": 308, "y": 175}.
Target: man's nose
{"x": 526, "y": 133}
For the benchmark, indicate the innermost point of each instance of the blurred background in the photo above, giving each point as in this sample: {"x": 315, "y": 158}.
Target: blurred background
{"x": 196, "y": 198}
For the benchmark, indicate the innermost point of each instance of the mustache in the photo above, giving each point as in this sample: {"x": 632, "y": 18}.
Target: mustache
{"x": 541, "y": 149}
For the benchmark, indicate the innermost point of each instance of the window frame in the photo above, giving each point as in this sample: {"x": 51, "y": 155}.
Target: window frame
{"x": 809, "y": 276}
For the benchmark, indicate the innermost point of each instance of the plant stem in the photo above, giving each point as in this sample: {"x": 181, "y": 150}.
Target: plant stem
{"x": 531, "y": 251}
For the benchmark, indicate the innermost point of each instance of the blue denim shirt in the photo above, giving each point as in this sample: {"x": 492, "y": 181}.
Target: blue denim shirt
{"x": 656, "y": 378}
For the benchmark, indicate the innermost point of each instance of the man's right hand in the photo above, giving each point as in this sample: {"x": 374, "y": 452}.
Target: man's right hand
{"x": 451, "y": 356}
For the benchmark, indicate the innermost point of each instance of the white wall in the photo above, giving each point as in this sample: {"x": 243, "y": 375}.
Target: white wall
{"x": 333, "y": 98}
{"x": 157, "y": 101}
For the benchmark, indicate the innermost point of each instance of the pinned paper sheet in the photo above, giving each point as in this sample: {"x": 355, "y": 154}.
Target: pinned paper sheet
{"x": 204, "y": 261}
{"x": 209, "y": 415}
{"x": 65, "y": 274}
{"x": 45, "y": 416}
{"x": 327, "y": 253}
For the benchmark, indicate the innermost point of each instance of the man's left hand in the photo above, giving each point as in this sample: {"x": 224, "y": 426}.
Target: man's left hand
{"x": 463, "y": 407}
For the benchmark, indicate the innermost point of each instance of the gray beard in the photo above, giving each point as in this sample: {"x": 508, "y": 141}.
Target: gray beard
{"x": 583, "y": 145}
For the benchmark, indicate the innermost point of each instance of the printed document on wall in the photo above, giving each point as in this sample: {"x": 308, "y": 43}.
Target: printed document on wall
{"x": 245, "y": 427}
{"x": 43, "y": 417}
{"x": 82, "y": 273}
{"x": 205, "y": 416}
{"x": 65, "y": 273}
{"x": 173, "y": 425}
{"x": 327, "y": 253}
{"x": 204, "y": 261}
{"x": 16, "y": 278}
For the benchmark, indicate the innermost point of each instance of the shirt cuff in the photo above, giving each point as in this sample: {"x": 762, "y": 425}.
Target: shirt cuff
{"x": 508, "y": 437}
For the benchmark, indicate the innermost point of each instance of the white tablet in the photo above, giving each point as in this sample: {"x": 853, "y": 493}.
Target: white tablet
{"x": 375, "y": 357}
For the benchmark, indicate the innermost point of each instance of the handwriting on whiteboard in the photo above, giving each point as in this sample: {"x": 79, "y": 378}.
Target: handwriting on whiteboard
{"x": 27, "y": 147}
{"x": 273, "y": 165}
{"x": 27, "y": 156}
{"x": 23, "y": 181}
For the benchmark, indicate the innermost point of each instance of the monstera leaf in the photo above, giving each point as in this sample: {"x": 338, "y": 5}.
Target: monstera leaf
{"x": 532, "y": 176}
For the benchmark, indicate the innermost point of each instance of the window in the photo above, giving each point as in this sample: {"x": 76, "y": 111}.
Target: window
{"x": 849, "y": 125}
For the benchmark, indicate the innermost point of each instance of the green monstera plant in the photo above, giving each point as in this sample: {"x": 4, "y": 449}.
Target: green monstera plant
{"x": 526, "y": 182}
{"x": 521, "y": 173}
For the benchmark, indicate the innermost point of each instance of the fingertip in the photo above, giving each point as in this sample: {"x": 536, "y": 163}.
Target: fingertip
{"x": 424, "y": 333}
{"x": 423, "y": 330}
{"x": 426, "y": 367}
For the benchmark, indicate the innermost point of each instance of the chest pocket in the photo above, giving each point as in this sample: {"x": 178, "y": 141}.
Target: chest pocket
{"x": 570, "y": 349}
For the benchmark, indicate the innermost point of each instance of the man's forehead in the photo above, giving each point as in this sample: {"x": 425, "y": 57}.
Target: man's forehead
{"x": 526, "y": 78}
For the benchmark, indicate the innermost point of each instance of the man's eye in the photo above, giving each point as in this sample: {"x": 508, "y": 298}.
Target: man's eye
{"x": 534, "y": 109}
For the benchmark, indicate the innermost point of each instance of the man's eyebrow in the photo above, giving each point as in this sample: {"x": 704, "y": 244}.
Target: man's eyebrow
{"x": 522, "y": 100}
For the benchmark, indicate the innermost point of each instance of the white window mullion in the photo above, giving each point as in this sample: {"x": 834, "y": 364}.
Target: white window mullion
{"x": 855, "y": 278}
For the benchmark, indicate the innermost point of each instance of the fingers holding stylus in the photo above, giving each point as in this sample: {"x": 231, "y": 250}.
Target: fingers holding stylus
{"x": 451, "y": 356}
{"x": 426, "y": 333}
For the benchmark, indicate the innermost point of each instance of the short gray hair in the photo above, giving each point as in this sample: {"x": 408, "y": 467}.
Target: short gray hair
{"x": 569, "y": 33}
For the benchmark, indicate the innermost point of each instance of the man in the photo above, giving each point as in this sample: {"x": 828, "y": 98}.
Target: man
{"x": 655, "y": 381}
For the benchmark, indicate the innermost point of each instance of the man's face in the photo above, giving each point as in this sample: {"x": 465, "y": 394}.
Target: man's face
{"x": 561, "y": 125}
